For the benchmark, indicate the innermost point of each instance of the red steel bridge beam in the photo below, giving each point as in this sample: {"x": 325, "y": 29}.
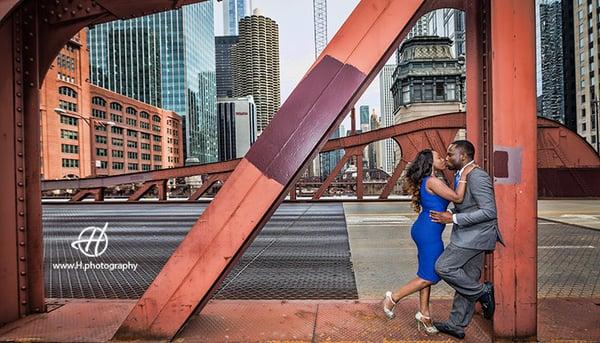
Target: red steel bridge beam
{"x": 513, "y": 106}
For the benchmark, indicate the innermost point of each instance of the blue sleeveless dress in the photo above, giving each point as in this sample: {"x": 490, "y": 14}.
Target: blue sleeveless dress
{"x": 427, "y": 234}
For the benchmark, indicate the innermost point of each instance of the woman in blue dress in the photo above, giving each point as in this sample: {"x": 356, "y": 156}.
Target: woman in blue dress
{"x": 428, "y": 193}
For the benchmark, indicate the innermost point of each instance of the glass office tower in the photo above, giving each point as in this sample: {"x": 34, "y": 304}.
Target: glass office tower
{"x": 233, "y": 11}
{"x": 167, "y": 60}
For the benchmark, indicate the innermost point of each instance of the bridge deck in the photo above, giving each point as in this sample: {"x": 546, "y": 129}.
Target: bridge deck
{"x": 337, "y": 258}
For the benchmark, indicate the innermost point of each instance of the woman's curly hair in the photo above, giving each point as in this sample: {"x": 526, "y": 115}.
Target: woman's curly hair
{"x": 414, "y": 174}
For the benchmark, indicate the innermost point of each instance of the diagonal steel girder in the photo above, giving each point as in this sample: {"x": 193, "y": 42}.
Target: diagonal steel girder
{"x": 261, "y": 180}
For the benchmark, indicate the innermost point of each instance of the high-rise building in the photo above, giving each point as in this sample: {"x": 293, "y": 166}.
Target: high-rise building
{"x": 586, "y": 69}
{"x": 256, "y": 66}
{"x": 552, "y": 60}
{"x": 237, "y": 126}
{"x": 386, "y": 81}
{"x": 224, "y": 65}
{"x": 568, "y": 42}
{"x": 421, "y": 28}
{"x": 233, "y": 11}
{"x": 91, "y": 131}
{"x": 126, "y": 54}
{"x": 375, "y": 148}
{"x": 364, "y": 117}
{"x": 449, "y": 23}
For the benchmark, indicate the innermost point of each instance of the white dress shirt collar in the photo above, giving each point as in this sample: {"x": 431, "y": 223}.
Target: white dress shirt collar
{"x": 463, "y": 168}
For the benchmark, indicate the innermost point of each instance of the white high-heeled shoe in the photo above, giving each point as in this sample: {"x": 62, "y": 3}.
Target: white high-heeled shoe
{"x": 429, "y": 329}
{"x": 389, "y": 312}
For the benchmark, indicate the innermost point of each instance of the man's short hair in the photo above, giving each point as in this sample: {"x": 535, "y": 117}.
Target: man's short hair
{"x": 466, "y": 147}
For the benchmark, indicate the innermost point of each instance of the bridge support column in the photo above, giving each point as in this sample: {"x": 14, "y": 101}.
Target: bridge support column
{"x": 21, "y": 271}
{"x": 513, "y": 104}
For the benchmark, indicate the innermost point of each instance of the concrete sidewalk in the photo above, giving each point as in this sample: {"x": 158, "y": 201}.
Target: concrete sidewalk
{"x": 297, "y": 321}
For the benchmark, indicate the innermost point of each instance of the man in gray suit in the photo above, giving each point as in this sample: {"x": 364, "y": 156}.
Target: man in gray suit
{"x": 474, "y": 232}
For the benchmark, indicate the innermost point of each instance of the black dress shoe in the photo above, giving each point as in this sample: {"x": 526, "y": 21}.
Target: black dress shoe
{"x": 488, "y": 303}
{"x": 445, "y": 328}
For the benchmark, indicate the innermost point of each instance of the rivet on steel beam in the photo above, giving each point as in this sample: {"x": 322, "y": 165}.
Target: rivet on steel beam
{"x": 19, "y": 124}
{"x": 80, "y": 6}
{"x": 24, "y": 302}
{"x": 21, "y": 213}
{"x": 18, "y": 59}
{"x": 21, "y": 228}
{"x": 22, "y": 244}
{"x": 51, "y": 12}
{"x": 22, "y": 258}
{"x": 65, "y": 9}
{"x": 23, "y": 273}
{"x": 57, "y": 2}
{"x": 18, "y": 70}
{"x": 30, "y": 34}
{"x": 88, "y": 10}
{"x": 21, "y": 199}
{"x": 73, "y": 12}
{"x": 20, "y": 139}
{"x": 30, "y": 59}
{"x": 20, "y": 184}
{"x": 46, "y": 20}
{"x": 23, "y": 288}
{"x": 20, "y": 168}
{"x": 59, "y": 16}
{"x": 31, "y": 84}
{"x": 19, "y": 94}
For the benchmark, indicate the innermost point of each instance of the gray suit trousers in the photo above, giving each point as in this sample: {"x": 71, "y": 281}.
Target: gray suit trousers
{"x": 461, "y": 269}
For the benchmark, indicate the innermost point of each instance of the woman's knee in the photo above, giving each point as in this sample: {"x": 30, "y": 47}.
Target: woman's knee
{"x": 425, "y": 283}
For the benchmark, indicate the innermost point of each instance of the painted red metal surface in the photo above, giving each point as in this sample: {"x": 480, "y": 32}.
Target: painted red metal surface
{"x": 513, "y": 104}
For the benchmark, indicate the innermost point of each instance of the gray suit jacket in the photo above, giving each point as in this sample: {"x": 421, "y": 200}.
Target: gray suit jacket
{"x": 477, "y": 226}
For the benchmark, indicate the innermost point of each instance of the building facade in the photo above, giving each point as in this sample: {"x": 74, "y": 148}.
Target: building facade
{"x": 375, "y": 149}
{"x": 427, "y": 81}
{"x": 568, "y": 43}
{"x": 233, "y": 11}
{"x": 587, "y": 42}
{"x": 224, "y": 65}
{"x": 166, "y": 60}
{"x": 550, "y": 25}
{"x": 256, "y": 66}
{"x": 387, "y": 115}
{"x": 236, "y": 126}
{"x": 448, "y": 22}
{"x": 91, "y": 131}
{"x": 130, "y": 136}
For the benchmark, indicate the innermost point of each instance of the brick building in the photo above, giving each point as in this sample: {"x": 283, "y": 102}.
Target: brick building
{"x": 91, "y": 131}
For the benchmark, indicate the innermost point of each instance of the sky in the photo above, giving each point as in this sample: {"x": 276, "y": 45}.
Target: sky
{"x": 296, "y": 40}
